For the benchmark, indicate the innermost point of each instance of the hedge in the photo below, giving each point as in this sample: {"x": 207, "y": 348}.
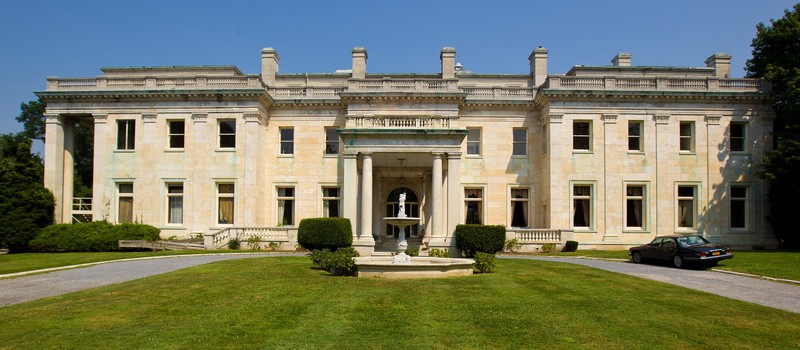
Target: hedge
{"x": 472, "y": 239}
{"x": 98, "y": 236}
{"x": 325, "y": 233}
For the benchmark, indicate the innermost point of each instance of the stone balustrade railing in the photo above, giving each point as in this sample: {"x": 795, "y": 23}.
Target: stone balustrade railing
{"x": 395, "y": 122}
{"x": 310, "y": 91}
{"x": 562, "y": 82}
{"x": 154, "y": 83}
{"x": 264, "y": 234}
{"x": 400, "y": 84}
{"x": 538, "y": 235}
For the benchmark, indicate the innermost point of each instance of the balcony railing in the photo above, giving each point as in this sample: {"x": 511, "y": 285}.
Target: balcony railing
{"x": 82, "y": 209}
{"x": 153, "y": 83}
{"x": 264, "y": 234}
{"x": 561, "y": 82}
{"x": 395, "y": 122}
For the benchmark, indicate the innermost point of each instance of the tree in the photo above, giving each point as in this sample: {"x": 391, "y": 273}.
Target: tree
{"x": 26, "y": 205}
{"x": 32, "y": 118}
{"x": 776, "y": 57}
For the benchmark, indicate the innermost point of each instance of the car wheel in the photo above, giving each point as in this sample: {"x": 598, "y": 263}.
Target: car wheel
{"x": 637, "y": 257}
{"x": 677, "y": 261}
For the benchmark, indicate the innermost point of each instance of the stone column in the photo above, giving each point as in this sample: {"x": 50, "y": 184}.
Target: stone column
{"x": 350, "y": 191}
{"x": 366, "y": 198}
{"x": 436, "y": 198}
{"x": 68, "y": 170}
{"x": 454, "y": 205}
{"x": 99, "y": 168}
{"x": 54, "y": 161}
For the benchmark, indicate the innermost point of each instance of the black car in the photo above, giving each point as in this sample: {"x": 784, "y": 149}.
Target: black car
{"x": 679, "y": 250}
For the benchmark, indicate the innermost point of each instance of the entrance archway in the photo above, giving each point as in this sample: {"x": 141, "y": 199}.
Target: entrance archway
{"x": 411, "y": 208}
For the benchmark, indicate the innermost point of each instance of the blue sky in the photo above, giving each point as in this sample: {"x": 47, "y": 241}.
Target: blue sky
{"x": 77, "y": 38}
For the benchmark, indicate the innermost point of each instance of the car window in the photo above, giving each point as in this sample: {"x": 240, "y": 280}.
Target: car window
{"x": 656, "y": 242}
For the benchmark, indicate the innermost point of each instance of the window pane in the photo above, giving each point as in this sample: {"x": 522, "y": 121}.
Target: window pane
{"x": 227, "y": 141}
{"x": 227, "y": 127}
{"x": 580, "y": 143}
{"x": 331, "y": 141}
{"x": 738, "y": 192}
{"x": 176, "y": 209}
{"x": 225, "y": 214}
{"x": 685, "y": 191}
{"x": 686, "y": 129}
{"x": 686, "y": 213}
{"x": 176, "y": 127}
{"x": 737, "y": 130}
{"x": 520, "y": 135}
{"x": 634, "y": 213}
{"x": 125, "y": 210}
{"x": 581, "y": 190}
{"x": 634, "y": 136}
{"x": 331, "y": 192}
{"x": 474, "y": 141}
{"x": 634, "y": 191}
{"x": 581, "y": 135}
{"x": 580, "y": 128}
{"x": 225, "y": 188}
{"x": 634, "y": 129}
{"x": 286, "y": 192}
{"x": 738, "y": 213}
{"x": 287, "y": 141}
{"x": 582, "y": 212}
{"x": 520, "y": 147}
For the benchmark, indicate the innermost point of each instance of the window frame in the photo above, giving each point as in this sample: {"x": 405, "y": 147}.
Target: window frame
{"x": 126, "y": 134}
{"x": 592, "y": 205}
{"x": 515, "y": 142}
{"x": 742, "y": 138}
{"x": 691, "y": 137}
{"x": 168, "y": 196}
{"x": 639, "y": 138}
{"x": 326, "y": 198}
{"x": 221, "y": 135}
{"x": 645, "y": 209}
{"x": 695, "y": 206}
{"x": 120, "y": 195}
{"x": 329, "y": 142}
{"x": 219, "y": 197}
{"x": 474, "y": 143}
{"x": 588, "y": 137}
{"x": 746, "y": 203}
{"x": 172, "y": 136}
{"x": 528, "y": 208}
{"x": 290, "y": 198}
{"x": 289, "y": 143}
{"x": 480, "y": 200}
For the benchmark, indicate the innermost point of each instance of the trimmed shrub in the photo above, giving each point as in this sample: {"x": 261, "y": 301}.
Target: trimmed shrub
{"x": 484, "y": 262}
{"x": 338, "y": 263}
{"x": 512, "y": 245}
{"x": 548, "y": 248}
{"x": 234, "y": 244}
{"x": 472, "y": 239}
{"x": 439, "y": 253}
{"x": 97, "y": 236}
{"x": 571, "y": 246}
{"x": 325, "y": 233}
{"x": 412, "y": 252}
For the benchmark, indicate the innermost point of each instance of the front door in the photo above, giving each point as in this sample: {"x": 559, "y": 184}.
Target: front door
{"x": 411, "y": 208}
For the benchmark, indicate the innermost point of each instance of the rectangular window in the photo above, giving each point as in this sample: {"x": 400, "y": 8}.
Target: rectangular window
{"x": 225, "y": 203}
{"x": 227, "y": 134}
{"x": 582, "y": 206}
{"x": 473, "y": 206}
{"x": 738, "y": 137}
{"x": 126, "y": 134}
{"x": 738, "y": 207}
{"x": 687, "y": 206}
{"x": 634, "y": 135}
{"x": 474, "y": 141}
{"x": 176, "y": 133}
{"x": 124, "y": 202}
{"x": 520, "y": 142}
{"x": 330, "y": 202}
{"x": 287, "y": 140}
{"x": 687, "y": 136}
{"x": 634, "y": 206}
{"x": 519, "y": 207}
{"x": 331, "y": 141}
{"x": 582, "y": 136}
{"x": 175, "y": 203}
{"x": 285, "y": 206}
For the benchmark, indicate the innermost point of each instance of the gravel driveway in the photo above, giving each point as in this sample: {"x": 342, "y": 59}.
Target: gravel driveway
{"x": 27, "y": 288}
{"x": 758, "y": 291}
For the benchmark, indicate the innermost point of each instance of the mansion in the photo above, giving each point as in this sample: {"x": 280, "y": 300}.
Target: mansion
{"x": 609, "y": 156}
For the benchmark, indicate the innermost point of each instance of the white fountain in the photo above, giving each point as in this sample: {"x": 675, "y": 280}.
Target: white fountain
{"x": 403, "y": 266}
{"x": 401, "y": 221}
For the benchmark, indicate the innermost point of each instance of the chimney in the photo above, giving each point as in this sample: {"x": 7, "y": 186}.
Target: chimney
{"x": 269, "y": 65}
{"x": 622, "y": 59}
{"x": 538, "y": 60}
{"x": 359, "y": 62}
{"x": 721, "y": 62}
{"x": 448, "y": 57}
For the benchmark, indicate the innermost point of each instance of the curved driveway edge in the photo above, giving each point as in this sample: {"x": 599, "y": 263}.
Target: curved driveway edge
{"x": 758, "y": 291}
{"x": 27, "y": 288}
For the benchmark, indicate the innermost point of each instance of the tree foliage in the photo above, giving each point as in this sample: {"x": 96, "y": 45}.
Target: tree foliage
{"x": 776, "y": 57}
{"x": 25, "y": 205}
{"x": 32, "y": 118}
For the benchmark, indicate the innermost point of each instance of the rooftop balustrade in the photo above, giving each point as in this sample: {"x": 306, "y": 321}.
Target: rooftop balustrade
{"x": 561, "y": 82}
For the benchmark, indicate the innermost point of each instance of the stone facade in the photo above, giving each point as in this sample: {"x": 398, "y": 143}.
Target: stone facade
{"x": 609, "y": 156}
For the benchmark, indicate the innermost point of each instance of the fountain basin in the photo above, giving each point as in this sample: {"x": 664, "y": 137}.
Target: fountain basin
{"x": 419, "y": 267}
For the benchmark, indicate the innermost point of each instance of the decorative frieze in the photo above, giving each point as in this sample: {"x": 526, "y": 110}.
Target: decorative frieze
{"x": 199, "y": 118}
{"x": 100, "y": 118}
{"x": 661, "y": 118}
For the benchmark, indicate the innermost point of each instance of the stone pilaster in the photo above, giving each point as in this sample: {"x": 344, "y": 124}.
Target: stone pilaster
{"x": 54, "y": 161}
{"x": 436, "y": 198}
{"x": 99, "y": 168}
{"x": 350, "y": 191}
{"x": 366, "y": 198}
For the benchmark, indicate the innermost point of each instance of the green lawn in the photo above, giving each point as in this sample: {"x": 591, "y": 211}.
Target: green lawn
{"x": 281, "y": 303}
{"x": 10, "y": 263}
{"x": 772, "y": 263}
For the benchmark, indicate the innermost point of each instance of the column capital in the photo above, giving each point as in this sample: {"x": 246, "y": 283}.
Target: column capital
{"x": 609, "y": 118}
{"x": 100, "y": 118}
{"x": 149, "y": 117}
{"x": 350, "y": 155}
{"x": 454, "y": 155}
{"x": 661, "y": 118}
{"x": 254, "y": 118}
{"x": 713, "y": 119}
{"x": 199, "y": 117}
{"x": 437, "y": 154}
{"x": 53, "y": 119}
{"x": 366, "y": 154}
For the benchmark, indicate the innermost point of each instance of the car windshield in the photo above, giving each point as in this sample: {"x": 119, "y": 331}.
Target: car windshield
{"x": 689, "y": 241}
